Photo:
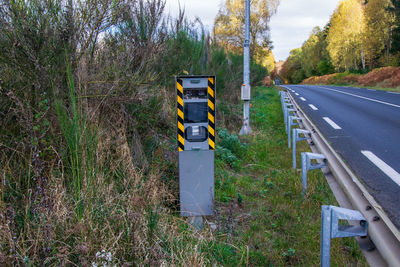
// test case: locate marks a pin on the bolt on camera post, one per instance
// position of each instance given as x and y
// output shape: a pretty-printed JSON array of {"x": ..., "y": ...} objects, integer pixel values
[{"x": 196, "y": 145}]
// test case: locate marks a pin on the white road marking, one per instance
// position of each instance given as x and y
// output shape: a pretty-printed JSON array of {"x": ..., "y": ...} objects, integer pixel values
[
  {"x": 332, "y": 123},
  {"x": 302, "y": 98},
  {"x": 371, "y": 89},
  {"x": 297, "y": 94},
  {"x": 395, "y": 93},
  {"x": 313, "y": 107},
  {"x": 389, "y": 171},
  {"x": 363, "y": 97}
]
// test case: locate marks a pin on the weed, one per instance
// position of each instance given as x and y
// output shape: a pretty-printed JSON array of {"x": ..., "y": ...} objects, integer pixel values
[{"x": 289, "y": 253}]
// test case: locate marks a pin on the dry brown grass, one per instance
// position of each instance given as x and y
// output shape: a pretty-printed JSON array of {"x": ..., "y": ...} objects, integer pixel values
[
  {"x": 383, "y": 77},
  {"x": 387, "y": 77},
  {"x": 127, "y": 219},
  {"x": 319, "y": 79}
]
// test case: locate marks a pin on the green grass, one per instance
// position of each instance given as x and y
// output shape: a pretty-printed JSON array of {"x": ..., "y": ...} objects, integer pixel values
[{"x": 261, "y": 216}]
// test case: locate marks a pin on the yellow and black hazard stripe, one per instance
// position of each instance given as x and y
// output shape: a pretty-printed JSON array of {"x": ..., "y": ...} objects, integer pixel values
[
  {"x": 181, "y": 128},
  {"x": 211, "y": 113}
]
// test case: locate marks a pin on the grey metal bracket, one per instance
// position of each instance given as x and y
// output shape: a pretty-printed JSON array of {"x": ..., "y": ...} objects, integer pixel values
[
  {"x": 284, "y": 100},
  {"x": 330, "y": 228},
  {"x": 296, "y": 138},
  {"x": 306, "y": 165},
  {"x": 286, "y": 106},
  {"x": 283, "y": 96},
  {"x": 291, "y": 122},
  {"x": 288, "y": 112}
]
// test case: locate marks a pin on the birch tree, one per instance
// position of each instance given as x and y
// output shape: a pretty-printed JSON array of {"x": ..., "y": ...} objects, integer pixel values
[
  {"x": 346, "y": 34},
  {"x": 229, "y": 26}
]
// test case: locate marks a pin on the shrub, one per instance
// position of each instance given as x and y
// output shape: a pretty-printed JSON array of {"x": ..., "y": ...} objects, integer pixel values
[{"x": 231, "y": 142}]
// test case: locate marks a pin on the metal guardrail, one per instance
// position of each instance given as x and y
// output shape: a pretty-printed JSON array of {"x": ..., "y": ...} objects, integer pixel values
[{"x": 383, "y": 233}]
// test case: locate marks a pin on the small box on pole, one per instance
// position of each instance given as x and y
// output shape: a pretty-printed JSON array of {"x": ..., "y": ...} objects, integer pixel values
[{"x": 246, "y": 92}]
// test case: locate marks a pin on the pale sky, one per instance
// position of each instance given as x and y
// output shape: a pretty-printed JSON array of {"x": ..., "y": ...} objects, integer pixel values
[
  {"x": 290, "y": 26},
  {"x": 294, "y": 21}
]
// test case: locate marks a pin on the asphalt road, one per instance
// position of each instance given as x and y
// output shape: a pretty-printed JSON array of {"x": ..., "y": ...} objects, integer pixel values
[{"x": 363, "y": 126}]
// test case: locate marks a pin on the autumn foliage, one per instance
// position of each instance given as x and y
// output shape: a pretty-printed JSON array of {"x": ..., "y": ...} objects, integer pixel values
[
  {"x": 380, "y": 77},
  {"x": 360, "y": 36}
]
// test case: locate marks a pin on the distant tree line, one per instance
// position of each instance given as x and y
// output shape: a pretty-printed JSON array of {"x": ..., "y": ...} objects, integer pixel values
[{"x": 360, "y": 36}]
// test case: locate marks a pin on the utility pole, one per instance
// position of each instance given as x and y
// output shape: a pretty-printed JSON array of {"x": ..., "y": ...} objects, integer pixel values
[{"x": 246, "y": 89}]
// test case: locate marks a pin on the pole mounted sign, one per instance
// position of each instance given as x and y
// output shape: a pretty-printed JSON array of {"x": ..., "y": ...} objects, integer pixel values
[{"x": 196, "y": 143}]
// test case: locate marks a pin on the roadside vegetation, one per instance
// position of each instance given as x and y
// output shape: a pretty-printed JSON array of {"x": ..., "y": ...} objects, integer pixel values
[{"x": 360, "y": 37}]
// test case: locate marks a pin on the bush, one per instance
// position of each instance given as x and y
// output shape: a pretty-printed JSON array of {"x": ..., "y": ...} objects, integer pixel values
[{"x": 231, "y": 142}]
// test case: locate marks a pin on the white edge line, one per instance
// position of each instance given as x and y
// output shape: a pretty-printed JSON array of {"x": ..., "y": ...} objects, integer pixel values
[
  {"x": 332, "y": 123},
  {"x": 313, "y": 107},
  {"x": 395, "y": 93},
  {"x": 363, "y": 97},
  {"x": 389, "y": 171}
]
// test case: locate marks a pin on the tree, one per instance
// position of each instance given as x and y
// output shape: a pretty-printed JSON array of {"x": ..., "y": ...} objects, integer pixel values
[
  {"x": 269, "y": 61},
  {"x": 292, "y": 70},
  {"x": 314, "y": 52},
  {"x": 229, "y": 26},
  {"x": 345, "y": 35},
  {"x": 377, "y": 39},
  {"x": 395, "y": 9}
]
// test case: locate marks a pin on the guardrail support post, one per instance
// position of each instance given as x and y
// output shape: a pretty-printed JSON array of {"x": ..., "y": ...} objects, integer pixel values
[
  {"x": 287, "y": 113},
  {"x": 285, "y": 107},
  {"x": 296, "y": 138},
  {"x": 330, "y": 228},
  {"x": 306, "y": 165},
  {"x": 291, "y": 122},
  {"x": 284, "y": 101}
]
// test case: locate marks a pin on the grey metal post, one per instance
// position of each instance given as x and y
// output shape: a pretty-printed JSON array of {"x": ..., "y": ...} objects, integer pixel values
[
  {"x": 294, "y": 149},
  {"x": 304, "y": 172},
  {"x": 306, "y": 165},
  {"x": 330, "y": 228},
  {"x": 297, "y": 138},
  {"x": 246, "y": 129},
  {"x": 326, "y": 218},
  {"x": 291, "y": 122},
  {"x": 287, "y": 113},
  {"x": 284, "y": 103}
]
